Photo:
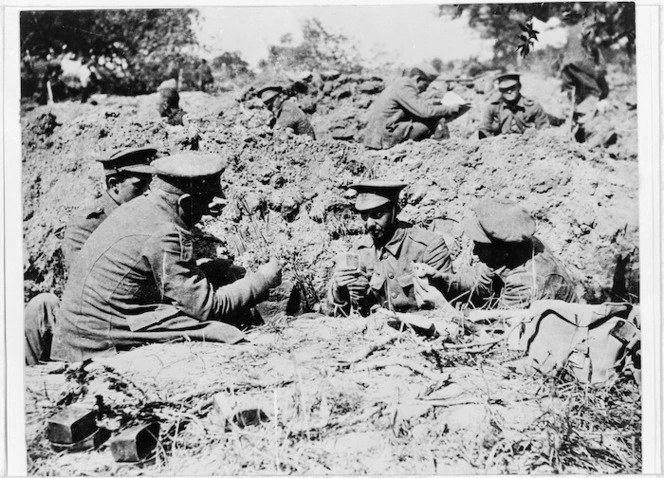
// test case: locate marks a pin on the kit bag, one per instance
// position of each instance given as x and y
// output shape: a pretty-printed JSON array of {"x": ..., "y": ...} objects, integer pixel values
[{"x": 593, "y": 342}]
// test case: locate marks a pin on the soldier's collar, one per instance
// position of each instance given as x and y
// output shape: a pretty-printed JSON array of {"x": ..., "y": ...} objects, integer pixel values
[{"x": 393, "y": 246}]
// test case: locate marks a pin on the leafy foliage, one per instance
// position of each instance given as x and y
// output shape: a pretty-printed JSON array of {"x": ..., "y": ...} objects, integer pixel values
[
  {"x": 232, "y": 62},
  {"x": 139, "y": 43},
  {"x": 511, "y": 24},
  {"x": 319, "y": 49}
]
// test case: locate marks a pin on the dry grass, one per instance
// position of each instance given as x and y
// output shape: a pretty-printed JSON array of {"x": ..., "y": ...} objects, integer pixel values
[{"x": 343, "y": 396}]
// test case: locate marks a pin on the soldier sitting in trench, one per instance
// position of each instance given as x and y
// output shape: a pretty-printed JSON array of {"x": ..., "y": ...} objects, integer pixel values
[
  {"x": 509, "y": 111},
  {"x": 400, "y": 114},
  {"x": 127, "y": 175},
  {"x": 169, "y": 103},
  {"x": 135, "y": 280},
  {"x": 515, "y": 267},
  {"x": 286, "y": 114},
  {"x": 383, "y": 274}
]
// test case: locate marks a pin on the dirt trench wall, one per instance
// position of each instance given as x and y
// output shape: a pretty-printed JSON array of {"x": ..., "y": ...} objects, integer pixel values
[{"x": 289, "y": 194}]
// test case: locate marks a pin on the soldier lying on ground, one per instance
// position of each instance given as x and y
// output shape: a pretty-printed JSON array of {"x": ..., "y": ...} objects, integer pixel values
[
  {"x": 509, "y": 111},
  {"x": 515, "y": 268},
  {"x": 383, "y": 274},
  {"x": 128, "y": 175},
  {"x": 400, "y": 114},
  {"x": 286, "y": 114},
  {"x": 135, "y": 280}
]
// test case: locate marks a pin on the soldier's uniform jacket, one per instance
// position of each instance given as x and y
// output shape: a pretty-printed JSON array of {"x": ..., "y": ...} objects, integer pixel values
[
  {"x": 501, "y": 118},
  {"x": 393, "y": 112},
  {"x": 540, "y": 276},
  {"x": 290, "y": 116},
  {"x": 83, "y": 223},
  {"x": 135, "y": 281},
  {"x": 389, "y": 269}
]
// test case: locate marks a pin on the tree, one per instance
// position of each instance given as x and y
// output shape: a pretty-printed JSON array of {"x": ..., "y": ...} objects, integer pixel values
[
  {"x": 319, "y": 50},
  {"x": 511, "y": 24},
  {"x": 232, "y": 62},
  {"x": 143, "y": 40}
]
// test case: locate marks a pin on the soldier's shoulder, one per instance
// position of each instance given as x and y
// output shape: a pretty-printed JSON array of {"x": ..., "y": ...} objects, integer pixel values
[
  {"x": 529, "y": 102},
  {"x": 424, "y": 237},
  {"x": 93, "y": 210},
  {"x": 494, "y": 98}
]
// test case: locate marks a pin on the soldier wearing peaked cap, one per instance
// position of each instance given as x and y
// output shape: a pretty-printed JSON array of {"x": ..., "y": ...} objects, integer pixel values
[
  {"x": 509, "y": 111},
  {"x": 400, "y": 113},
  {"x": 128, "y": 174},
  {"x": 515, "y": 268},
  {"x": 136, "y": 280},
  {"x": 383, "y": 274},
  {"x": 286, "y": 114}
]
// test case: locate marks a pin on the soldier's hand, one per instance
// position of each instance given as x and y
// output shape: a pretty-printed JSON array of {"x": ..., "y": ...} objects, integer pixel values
[
  {"x": 420, "y": 269},
  {"x": 343, "y": 276},
  {"x": 358, "y": 288},
  {"x": 454, "y": 109},
  {"x": 272, "y": 272}
]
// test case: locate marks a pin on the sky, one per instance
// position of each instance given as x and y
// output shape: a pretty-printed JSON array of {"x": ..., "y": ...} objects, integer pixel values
[{"x": 401, "y": 34}]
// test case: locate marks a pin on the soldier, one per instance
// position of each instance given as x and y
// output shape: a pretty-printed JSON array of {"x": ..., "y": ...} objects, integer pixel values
[
  {"x": 169, "y": 103},
  {"x": 516, "y": 267},
  {"x": 383, "y": 274},
  {"x": 136, "y": 281},
  {"x": 286, "y": 114},
  {"x": 400, "y": 114},
  {"x": 204, "y": 74},
  {"x": 128, "y": 175},
  {"x": 509, "y": 111},
  {"x": 583, "y": 65}
]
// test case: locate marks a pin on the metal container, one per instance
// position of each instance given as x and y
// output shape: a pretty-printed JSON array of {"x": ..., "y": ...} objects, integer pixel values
[{"x": 135, "y": 444}]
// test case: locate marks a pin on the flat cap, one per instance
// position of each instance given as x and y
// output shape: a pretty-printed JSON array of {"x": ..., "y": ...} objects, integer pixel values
[
  {"x": 189, "y": 165},
  {"x": 507, "y": 80},
  {"x": 266, "y": 93},
  {"x": 192, "y": 173},
  {"x": 375, "y": 193},
  {"x": 134, "y": 160},
  {"x": 495, "y": 220}
]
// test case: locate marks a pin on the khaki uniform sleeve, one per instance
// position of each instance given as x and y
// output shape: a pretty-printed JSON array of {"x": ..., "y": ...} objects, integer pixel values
[
  {"x": 184, "y": 285},
  {"x": 77, "y": 233},
  {"x": 472, "y": 284},
  {"x": 438, "y": 256},
  {"x": 539, "y": 117},
  {"x": 486, "y": 124},
  {"x": 409, "y": 99},
  {"x": 519, "y": 291}
]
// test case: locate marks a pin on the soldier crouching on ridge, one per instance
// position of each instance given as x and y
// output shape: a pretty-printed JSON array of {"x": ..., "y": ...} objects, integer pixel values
[
  {"x": 400, "y": 113},
  {"x": 383, "y": 270},
  {"x": 286, "y": 114},
  {"x": 135, "y": 280}
]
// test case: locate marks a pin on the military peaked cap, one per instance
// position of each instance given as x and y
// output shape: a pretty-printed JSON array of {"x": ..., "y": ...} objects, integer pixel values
[
  {"x": 496, "y": 220},
  {"x": 189, "y": 172},
  {"x": 133, "y": 160},
  {"x": 508, "y": 80},
  {"x": 375, "y": 193},
  {"x": 268, "y": 92}
]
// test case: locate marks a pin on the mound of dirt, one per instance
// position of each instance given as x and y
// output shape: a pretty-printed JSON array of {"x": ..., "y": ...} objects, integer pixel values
[{"x": 288, "y": 194}]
